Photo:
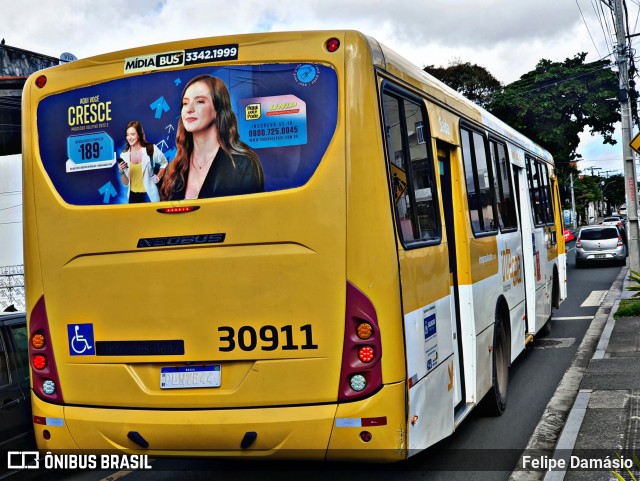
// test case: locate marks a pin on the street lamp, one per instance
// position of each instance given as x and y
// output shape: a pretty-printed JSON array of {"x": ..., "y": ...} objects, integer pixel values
[{"x": 602, "y": 189}]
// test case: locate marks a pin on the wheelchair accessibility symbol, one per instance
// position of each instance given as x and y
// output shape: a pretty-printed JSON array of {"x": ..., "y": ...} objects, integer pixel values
[{"x": 80, "y": 338}]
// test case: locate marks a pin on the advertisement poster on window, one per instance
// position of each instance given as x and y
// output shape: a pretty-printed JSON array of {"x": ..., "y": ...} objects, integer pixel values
[{"x": 141, "y": 138}]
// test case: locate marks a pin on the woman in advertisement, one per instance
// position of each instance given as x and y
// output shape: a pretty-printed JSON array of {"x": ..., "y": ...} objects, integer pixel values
[
  {"x": 211, "y": 160},
  {"x": 141, "y": 166}
]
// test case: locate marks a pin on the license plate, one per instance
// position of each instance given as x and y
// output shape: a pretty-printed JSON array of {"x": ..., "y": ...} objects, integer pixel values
[
  {"x": 600, "y": 256},
  {"x": 187, "y": 377}
]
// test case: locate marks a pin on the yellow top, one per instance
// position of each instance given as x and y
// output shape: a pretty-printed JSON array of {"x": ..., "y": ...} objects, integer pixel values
[{"x": 135, "y": 178}]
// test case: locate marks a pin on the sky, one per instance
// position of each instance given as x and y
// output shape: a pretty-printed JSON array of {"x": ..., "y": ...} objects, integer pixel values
[{"x": 507, "y": 37}]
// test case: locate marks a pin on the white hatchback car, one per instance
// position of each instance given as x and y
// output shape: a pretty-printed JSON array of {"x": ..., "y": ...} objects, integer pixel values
[{"x": 613, "y": 220}]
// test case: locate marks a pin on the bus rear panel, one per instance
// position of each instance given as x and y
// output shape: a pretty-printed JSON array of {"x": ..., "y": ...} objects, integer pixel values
[{"x": 229, "y": 313}]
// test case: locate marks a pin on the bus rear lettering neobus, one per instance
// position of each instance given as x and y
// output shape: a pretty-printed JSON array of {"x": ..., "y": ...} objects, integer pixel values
[{"x": 265, "y": 236}]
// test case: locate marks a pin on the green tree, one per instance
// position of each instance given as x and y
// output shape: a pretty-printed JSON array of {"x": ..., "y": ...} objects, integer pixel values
[
  {"x": 613, "y": 191},
  {"x": 556, "y": 101},
  {"x": 586, "y": 190},
  {"x": 473, "y": 81}
]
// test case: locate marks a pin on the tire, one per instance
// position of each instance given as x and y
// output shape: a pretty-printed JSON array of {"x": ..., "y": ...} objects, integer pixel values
[{"x": 495, "y": 401}]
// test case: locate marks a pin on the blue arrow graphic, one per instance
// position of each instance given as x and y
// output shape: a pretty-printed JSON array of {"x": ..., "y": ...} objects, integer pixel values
[
  {"x": 108, "y": 191},
  {"x": 159, "y": 106}
]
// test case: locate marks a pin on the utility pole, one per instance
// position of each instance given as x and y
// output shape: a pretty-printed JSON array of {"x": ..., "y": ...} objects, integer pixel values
[
  {"x": 574, "y": 219},
  {"x": 631, "y": 179}
]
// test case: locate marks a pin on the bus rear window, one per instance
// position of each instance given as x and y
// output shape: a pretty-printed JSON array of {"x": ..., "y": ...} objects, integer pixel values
[{"x": 275, "y": 127}]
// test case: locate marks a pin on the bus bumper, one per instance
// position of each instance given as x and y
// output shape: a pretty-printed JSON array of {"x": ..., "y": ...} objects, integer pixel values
[{"x": 296, "y": 432}]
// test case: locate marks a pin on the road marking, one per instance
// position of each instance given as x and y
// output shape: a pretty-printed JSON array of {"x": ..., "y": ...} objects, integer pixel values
[
  {"x": 595, "y": 299},
  {"x": 572, "y": 318}
]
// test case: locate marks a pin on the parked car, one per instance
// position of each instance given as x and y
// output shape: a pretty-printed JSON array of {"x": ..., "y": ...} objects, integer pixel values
[
  {"x": 568, "y": 235},
  {"x": 620, "y": 222},
  {"x": 16, "y": 424},
  {"x": 601, "y": 244},
  {"x": 613, "y": 220}
]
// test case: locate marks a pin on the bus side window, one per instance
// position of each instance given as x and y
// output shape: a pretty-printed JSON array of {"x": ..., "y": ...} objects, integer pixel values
[
  {"x": 411, "y": 167},
  {"x": 479, "y": 179},
  {"x": 536, "y": 195},
  {"x": 546, "y": 187},
  {"x": 506, "y": 204}
]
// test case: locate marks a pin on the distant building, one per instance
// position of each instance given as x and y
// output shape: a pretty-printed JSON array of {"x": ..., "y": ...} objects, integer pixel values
[{"x": 16, "y": 65}]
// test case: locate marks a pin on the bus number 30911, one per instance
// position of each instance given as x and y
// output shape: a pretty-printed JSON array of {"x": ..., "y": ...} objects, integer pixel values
[{"x": 268, "y": 338}]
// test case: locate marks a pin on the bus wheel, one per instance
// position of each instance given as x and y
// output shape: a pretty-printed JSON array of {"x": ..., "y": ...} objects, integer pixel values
[{"x": 496, "y": 399}]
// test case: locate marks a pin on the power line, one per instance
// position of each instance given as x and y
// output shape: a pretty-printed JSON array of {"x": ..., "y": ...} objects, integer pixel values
[
  {"x": 588, "y": 31},
  {"x": 599, "y": 160},
  {"x": 11, "y": 207},
  {"x": 609, "y": 30},
  {"x": 563, "y": 80}
]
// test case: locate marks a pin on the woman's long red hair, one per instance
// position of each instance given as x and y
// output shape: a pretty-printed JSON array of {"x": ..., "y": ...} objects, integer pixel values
[{"x": 228, "y": 137}]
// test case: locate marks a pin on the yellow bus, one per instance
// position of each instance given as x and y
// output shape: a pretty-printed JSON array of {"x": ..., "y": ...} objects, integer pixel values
[{"x": 291, "y": 245}]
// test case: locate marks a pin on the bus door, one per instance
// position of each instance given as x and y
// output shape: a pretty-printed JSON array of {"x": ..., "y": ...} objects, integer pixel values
[
  {"x": 528, "y": 243},
  {"x": 444, "y": 164},
  {"x": 423, "y": 263}
]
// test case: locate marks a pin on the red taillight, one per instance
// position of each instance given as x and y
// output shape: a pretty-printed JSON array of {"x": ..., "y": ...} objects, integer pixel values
[
  {"x": 619, "y": 241},
  {"x": 332, "y": 44},
  {"x": 178, "y": 210},
  {"x": 41, "y": 81},
  {"x": 578, "y": 244},
  {"x": 44, "y": 374},
  {"x": 40, "y": 420},
  {"x": 366, "y": 354},
  {"x": 361, "y": 373},
  {"x": 39, "y": 362}
]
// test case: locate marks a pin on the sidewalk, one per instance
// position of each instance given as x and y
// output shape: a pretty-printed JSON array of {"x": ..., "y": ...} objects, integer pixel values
[{"x": 595, "y": 411}]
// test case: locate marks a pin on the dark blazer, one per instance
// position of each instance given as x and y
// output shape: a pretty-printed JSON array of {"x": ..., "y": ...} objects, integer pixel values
[{"x": 225, "y": 179}]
